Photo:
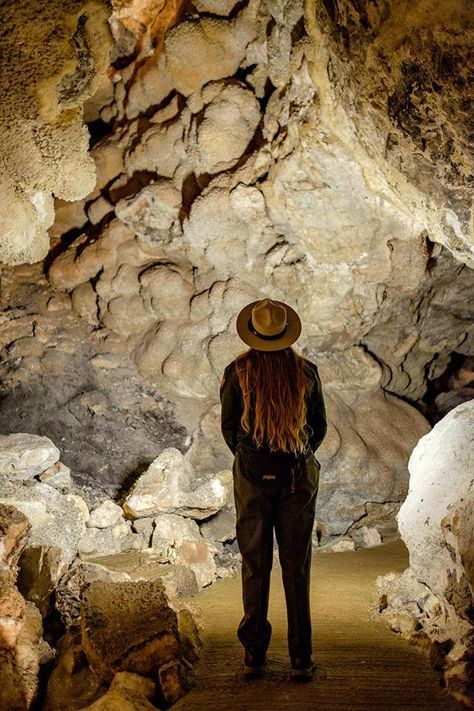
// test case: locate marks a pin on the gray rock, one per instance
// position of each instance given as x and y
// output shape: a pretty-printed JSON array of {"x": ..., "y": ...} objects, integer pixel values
[
  {"x": 220, "y": 527},
  {"x": 106, "y": 514},
  {"x": 114, "y": 539},
  {"x": 23, "y": 456},
  {"x": 55, "y": 519},
  {"x": 58, "y": 475}
]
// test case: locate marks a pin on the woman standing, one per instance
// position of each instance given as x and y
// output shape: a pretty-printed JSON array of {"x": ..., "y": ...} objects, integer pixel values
[{"x": 273, "y": 420}]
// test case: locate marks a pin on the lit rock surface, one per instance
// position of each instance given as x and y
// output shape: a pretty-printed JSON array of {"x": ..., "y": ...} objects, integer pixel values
[
  {"x": 436, "y": 522},
  {"x": 44, "y": 139},
  {"x": 22, "y": 456},
  {"x": 166, "y": 487},
  {"x": 138, "y": 630}
]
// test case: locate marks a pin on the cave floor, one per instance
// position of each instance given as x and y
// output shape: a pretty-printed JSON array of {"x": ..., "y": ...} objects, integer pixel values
[{"x": 362, "y": 664}]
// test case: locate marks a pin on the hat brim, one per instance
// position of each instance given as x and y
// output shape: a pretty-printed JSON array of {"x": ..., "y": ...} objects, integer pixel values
[{"x": 292, "y": 332}]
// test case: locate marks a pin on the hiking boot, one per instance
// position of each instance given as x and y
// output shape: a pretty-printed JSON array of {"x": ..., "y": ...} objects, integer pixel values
[
  {"x": 302, "y": 668},
  {"x": 254, "y": 664}
]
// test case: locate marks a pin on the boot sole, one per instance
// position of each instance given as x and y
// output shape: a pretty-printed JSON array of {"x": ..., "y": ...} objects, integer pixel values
[
  {"x": 303, "y": 673},
  {"x": 254, "y": 671}
]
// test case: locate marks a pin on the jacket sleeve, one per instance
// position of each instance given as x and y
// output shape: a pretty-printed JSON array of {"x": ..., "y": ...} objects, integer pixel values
[
  {"x": 231, "y": 410},
  {"x": 316, "y": 416}
]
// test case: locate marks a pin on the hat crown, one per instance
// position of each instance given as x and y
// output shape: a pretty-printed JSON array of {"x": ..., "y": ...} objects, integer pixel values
[{"x": 268, "y": 317}]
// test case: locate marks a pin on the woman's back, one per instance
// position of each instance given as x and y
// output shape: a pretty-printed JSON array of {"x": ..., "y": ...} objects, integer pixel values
[{"x": 272, "y": 402}]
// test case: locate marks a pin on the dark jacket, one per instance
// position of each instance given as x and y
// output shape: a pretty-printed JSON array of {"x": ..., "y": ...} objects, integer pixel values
[{"x": 232, "y": 408}]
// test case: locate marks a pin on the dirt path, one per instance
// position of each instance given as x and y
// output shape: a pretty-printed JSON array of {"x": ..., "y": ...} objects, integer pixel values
[{"x": 362, "y": 665}]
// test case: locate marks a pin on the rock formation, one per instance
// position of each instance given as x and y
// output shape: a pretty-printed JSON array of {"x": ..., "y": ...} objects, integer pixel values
[
  {"x": 433, "y": 598},
  {"x": 235, "y": 162},
  {"x": 315, "y": 152}
]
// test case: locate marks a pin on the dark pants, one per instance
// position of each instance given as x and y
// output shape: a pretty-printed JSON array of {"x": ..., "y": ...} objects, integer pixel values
[{"x": 259, "y": 510}]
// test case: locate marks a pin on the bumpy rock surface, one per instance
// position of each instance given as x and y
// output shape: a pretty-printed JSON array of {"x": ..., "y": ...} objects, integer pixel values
[
  {"x": 297, "y": 151},
  {"x": 435, "y": 594},
  {"x": 22, "y": 456},
  {"x": 129, "y": 626},
  {"x": 52, "y": 58},
  {"x": 21, "y": 625},
  {"x": 169, "y": 485}
]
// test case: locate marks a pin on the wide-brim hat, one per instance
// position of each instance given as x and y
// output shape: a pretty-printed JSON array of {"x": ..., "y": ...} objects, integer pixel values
[{"x": 268, "y": 325}]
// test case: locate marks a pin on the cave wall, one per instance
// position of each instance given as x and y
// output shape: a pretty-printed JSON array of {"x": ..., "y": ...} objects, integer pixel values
[{"x": 256, "y": 149}]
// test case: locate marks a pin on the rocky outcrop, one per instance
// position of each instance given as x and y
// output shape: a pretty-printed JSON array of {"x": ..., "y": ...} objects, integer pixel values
[
  {"x": 52, "y": 61},
  {"x": 130, "y": 627},
  {"x": 249, "y": 153},
  {"x": 20, "y": 621},
  {"x": 433, "y": 598}
]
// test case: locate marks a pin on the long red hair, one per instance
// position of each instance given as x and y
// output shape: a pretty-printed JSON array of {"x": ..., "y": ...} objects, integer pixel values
[{"x": 275, "y": 384}]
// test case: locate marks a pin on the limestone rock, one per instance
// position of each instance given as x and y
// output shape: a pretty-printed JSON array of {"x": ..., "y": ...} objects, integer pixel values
[
  {"x": 106, "y": 514},
  {"x": 178, "y": 540},
  {"x": 41, "y": 567},
  {"x": 58, "y": 475},
  {"x": 128, "y": 627},
  {"x": 228, "y": 123},
  {"x": 45, "y": 142},
  {"x": 216, "y": 7},
  {"x": 220, "y": 527},
  {"x": 161, "y": 149},
  {"x": 54, "y": 518},
  {"x": 23, "y": 456},
  {"x": 72, "y": 684},
  {"x": 114, "y": 539},
  {"x": 341, "y": 544},
  {"x": 436, "y": 523},
  {"x": 127, "y": 692},
  {"x": 20, "y": 633},
  {"x": 14, "y": 527},
  {"x": 207, "y": 49},
  {"x": 159, "y": 488},
  {"x": 435, "y": 518},
  {"x": 147, "y": 564},
  {"x": 152, "y": 212},
  {"x": 366, "y": 537}
]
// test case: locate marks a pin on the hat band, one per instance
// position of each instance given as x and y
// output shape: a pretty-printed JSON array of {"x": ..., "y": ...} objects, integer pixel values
[{"x": 261, "y": 335}]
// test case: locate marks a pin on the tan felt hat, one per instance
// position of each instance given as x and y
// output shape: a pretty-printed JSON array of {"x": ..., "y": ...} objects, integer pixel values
[{"x": 268, "y": 325}]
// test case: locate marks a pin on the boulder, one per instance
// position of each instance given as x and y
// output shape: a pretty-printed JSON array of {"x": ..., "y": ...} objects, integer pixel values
[
  {"x": 105, "y": 515},
  {"x": 58, "y": 475},
  {"x": 40, "y": 568},
  {"x": 178, "y": 579},
  {"x": 23, "y": 456},
  {"x": 436, "y": 521},
  {"x": 55, "y": 519},
  {"x": 20, "y": 634},
  {"x": 14, "y": 527},
  {"x": 178, "y": 540},
  {"x": 114, "y": 539},
  {"x": 72, "y": 684},
  {"x": 127, "y": 692},
  {"x": 220, "y": 527},
  {"x": 128, "y": 626},
  {"x": 160, "y": 488}
]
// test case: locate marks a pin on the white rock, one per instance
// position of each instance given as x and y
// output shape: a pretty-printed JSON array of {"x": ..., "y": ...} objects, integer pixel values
[
  {"x": 106, "y": 514},
  {"x": 56, "y": 520},
  {"x": 23, "y": 456},
  {"x": 341, "y": 545},
  {"x": 105, "y": 541},
  {"x": 228, "y": 124},
  {"x": 160, "y": 488},
  {"x": 366, "y": 536},
  {"x": 59, "y": 476},
  {"x": 435, "y": 520}
]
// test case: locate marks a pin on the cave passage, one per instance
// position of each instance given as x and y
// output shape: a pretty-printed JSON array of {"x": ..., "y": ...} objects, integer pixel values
[{"x": 362, "y": 665}]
